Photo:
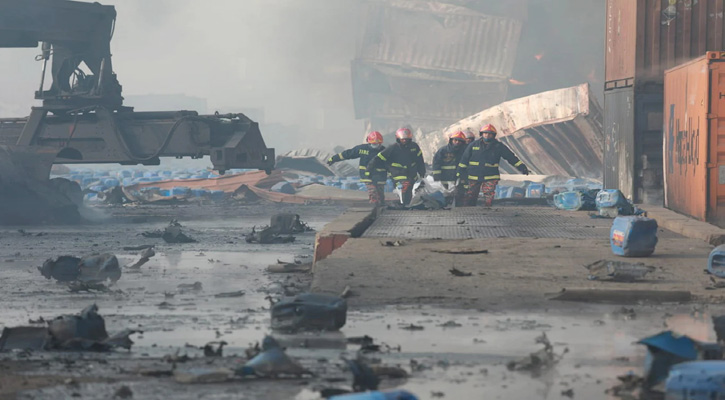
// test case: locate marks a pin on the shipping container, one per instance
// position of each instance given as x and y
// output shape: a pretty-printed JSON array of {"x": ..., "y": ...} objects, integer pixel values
[
  {"x": 442, "y": 37},
  {"x": 646, "y": 37},
  {"x": 633, "y": 143},
  {"x": 694, "y": 138}
]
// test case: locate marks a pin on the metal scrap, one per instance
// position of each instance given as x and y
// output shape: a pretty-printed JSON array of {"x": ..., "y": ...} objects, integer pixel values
[
  {"x": 538, "y": 361},
  {"x": 619, "y": 271},
  {"x": 309, "y": 312},
  {"x": 91, "y": 268},
  {"x": 267, "y": 235},
  {"x": 272, "y": 362},
  {"x": 457, "y": 272}
]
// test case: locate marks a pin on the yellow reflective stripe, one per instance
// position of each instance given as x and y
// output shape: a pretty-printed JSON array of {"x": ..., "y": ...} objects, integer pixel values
[
  {"x": 490, "y": 165},
  {"x": 476, "y": 148},
  {"x": 362, "y": 167},
  {"x": 419, "y": 152},
  {"x": 365, "y": 180},
  {"x": 462, "y": 165},
  {"x": 436, "y": 171},
  {"x": 382, "y": 157},
  {"x": 340, "y": 155},
  {"x": 448, "y": 167},
  {"x": 518, "y": 163},
  {"x": 397, "y": 178},
  {"x": 492, "y": 177},
  {"x": 474, "y": 162},
  {"x": 397, "y": 165},
  {"x": 473, "y": 178}
]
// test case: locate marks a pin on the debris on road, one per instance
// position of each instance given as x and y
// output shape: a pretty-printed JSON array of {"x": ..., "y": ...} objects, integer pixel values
[
  {"x": 210, "y": 351},
  {"x": 145, "y": 256},
  {"x": 363, "y": 377},
  {"x": 171, "y": 234},
  {"x": 619, "y": 271},
  {"x": 287, "y": 223},
  {"x": 285, "y": 268},
  {"x": 628, "y": 388},
  {"x": 309, "y": 312},
  {"x": 622, "y": 296},
  {"x": 190, "y": 287},
  {"x": 392, "y": 243},
  {"x": 272, "y": 362},
  {"x": 715, "y": 284},
  {"x": 457, "y": 272},
  {"x": 83, "y": 332},
  {"x": 267, "y": 236},
  {"x": 538, "y": 361},
  {"x": 203, "y": 375},
  {"x": 412, "y": 327},
  {"x": 385, "y": 395},
  {"x": 459, "y": 251},
  {"x": 238, "y": 293},
  {"x": 124, "y": 392},
  {"x": 91, "y": 268}
]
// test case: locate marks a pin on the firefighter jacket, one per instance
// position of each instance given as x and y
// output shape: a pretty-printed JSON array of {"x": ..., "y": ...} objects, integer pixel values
[
  {"x": 403, "y": 163},
  {"x": 480, "y": 160},
  {"x": 445, "y": 162},
  {"x": 365, "y": 152}
]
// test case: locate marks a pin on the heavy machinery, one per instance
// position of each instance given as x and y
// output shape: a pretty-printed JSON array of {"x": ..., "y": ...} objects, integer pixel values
[{"x": 82, "y": 118}]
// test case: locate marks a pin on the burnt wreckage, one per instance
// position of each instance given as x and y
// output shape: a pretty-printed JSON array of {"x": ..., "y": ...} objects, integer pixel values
[{"x": 82, "y": 118}]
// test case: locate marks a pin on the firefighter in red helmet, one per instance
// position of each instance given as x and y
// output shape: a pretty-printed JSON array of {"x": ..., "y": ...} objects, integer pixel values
[
  {"x": 404, "y": 162},
  {"x": 374, "y": 179},
  {"x": 445, "y": 163},
  {"x": 479, "y": 165}
]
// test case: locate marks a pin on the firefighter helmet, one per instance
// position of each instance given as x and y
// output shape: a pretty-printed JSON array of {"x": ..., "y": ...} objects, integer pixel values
[
  {"x": 375, "y": 137},
  {"x": 470, "y": 136},
  {"x": 457, "y": 135},
  {"x": 488, "y": 128},
  {"x": 404, "y": 133}
]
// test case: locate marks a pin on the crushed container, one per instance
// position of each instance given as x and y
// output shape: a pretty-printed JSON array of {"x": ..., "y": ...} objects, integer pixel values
[
  {"x": 387, "y": 395},
  {"x": 696, "y": 380},
  {"x": 716, "y": 261},
  {"x": 575, "y": 200},
  {"x": 632, "y": 236},
  {"x": 309, "y": 312}
]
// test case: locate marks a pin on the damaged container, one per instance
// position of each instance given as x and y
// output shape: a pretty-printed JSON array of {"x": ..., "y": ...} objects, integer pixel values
[
  {"x": 716, "y": 261},
  {"x": 696, "y": 380},
  {"x": 694, "y": 138},
  {"x": 575, "y": 200},
  {"x": 387, "y": 395},
  {"x": 633, "y": 236},
  {"x": 612, "y": 203},
  {"x": 309, "y": 312}
]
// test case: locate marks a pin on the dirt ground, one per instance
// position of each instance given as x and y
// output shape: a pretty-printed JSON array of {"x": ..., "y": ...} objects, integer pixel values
[{"x": 452, "y": 335}]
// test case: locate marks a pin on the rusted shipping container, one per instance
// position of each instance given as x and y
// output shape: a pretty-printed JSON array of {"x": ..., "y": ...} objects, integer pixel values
[
  {"x": 694, "y": 138},
  {"x": 646, "y": 37},
  {"x": 442, "y": 37},
  {"x": 633, "y": 143}
]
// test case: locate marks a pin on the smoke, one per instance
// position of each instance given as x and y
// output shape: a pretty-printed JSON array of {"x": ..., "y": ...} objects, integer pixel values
[{"x": 286, "y": 62}]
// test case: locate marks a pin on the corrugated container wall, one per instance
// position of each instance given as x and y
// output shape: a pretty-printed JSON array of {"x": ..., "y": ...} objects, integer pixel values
[
  {"x": 633, "y": 143},
  {"x": 646, "y": 37},
  {"x": 441, "y": 37},
  {"x": 694, "y": 138}
]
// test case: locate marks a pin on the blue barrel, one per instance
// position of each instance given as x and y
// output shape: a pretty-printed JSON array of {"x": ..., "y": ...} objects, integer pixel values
[
  {"x": 716, "y": 261},
  {"x": 87, "y": 180},
  {"x": 138, "y": 174},
  {"x": 696, "y": 380},
  {"x": 166, "y": 173},
  {"x": 180, "y": 191},
  {"x": 389, "y": 186},
  {"x": 97, "y": 188},
  {"x": 124, "y": 173},
  {"x": 568, "y": 200},
  {"x": 633, "y": 236},
  {"x": 387, "y": 395},
  {"x": 535, "y": 190},
  {"x": 150, "y": 174},
  {"x": 165, "y": 192}
]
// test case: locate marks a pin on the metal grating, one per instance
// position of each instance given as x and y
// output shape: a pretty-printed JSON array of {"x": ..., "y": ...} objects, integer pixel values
[{"x": 522, "y": 222}]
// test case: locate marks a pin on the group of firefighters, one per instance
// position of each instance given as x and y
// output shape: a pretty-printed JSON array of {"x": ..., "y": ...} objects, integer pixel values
[{"x": 467, "y": 164}]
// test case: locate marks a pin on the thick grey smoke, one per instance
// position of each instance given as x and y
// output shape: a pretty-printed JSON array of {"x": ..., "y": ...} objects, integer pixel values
[{"x": 286, "y": 62}]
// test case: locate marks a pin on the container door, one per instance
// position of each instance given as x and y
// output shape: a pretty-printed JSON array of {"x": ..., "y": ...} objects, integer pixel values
[{"x": 716, "y": 163}]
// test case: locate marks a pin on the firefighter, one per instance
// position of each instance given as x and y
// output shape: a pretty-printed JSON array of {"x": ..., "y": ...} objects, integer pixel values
[
  {"x": 479, "y": 165},
  {"x": 374, "y": 179},
  {"x": 470, "y": 136},
  {"x": 404, "y": 162},
  {"x": 446, "y": 161}
]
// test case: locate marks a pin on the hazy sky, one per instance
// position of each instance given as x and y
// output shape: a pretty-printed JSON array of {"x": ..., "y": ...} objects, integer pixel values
[{"x": 290, "y": 58}]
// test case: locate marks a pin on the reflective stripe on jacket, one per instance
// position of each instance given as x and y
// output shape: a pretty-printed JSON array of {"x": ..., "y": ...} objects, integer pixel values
[
  {"x": 403, "y": 163},
  {"x": 480, "y": 160},
  {"x": 445, "y": 162},
  {"x": 365, "y": 152}
]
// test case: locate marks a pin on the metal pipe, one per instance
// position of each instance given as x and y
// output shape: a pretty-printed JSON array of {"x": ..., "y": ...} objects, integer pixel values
[{"x": 100, "y": 76}]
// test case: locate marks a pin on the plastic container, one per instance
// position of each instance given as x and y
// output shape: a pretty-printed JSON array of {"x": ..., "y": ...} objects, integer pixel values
[
  {"x": 180, "y": 191},
  {"x": 536, "y": 190},
  {"x": 633, "y": 236},
  {"x": 716, "y": 261},
  {"x": 696, "y": 380},
  {"x": 574, "y": 201},
  {"x": 612, "y": 203},
  {"x": 199, "y": 192},
  {"x": 111, "y": 182},
  {"x": 387, "y": 395}
]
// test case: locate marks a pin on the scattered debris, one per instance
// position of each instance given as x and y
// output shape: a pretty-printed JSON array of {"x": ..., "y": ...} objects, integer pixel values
[
  {"x": 628, "y": 387},
  {"x": 84, "y": 332},
  {"x": 459, "y": 251},
  {"x": 124, "y": 392},
  {"x": 210, "y": 351},
  {"x": 538, "y": 361},
  {"x": 625, "y": 313},
  {"x": 364, "y": 378},
  {"x": 718, "y": 323},
  {"x": 309, "y": 312},
  {"x": 288, "y": 224},
  {"x": 347, "y": 292},
  {"x": 412, "y": 327},
  {"x": 238, "y": 293},
  {"x": 267, "y": 236},
  {"x": 138, "y": 248},
  {"x": 272, "y": 362},
  {"x": 145, "y": 255},
  {"x": 88, "y": 287},
  {"x": 170, "y": 234},
  {"x": 622, "y": 296},
  {"x": 190, "y": 287},
  {"x": 91, "y": 268},
  {"x": 568, "y": 393},
  {"x": 283, "y": 268},
  {"x": 451, "y": 324},
  {"x": 715, "y": 284},
  {"x": 457, "y": 272},
  {"x": 619, "y": 271},
  {"x": 388, "y": 371},
  {"x": 392, "y": 243}
]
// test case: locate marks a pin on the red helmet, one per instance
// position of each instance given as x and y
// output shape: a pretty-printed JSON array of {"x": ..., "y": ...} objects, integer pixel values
[
  {"x": 375, "y": 137},
  {"x": 457, "y": 135},
  {"x": 404, "y": 133},
  {"x": 488, "y": 128}
]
